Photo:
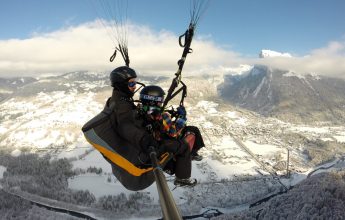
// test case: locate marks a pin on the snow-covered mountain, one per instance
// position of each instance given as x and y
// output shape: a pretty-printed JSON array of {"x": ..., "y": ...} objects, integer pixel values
[
  {"x": 8, "y": 86},
  {"x": 271, "y": 53},
  {"x": 245, "y": 155},
  {"x": 287, "y": 95}
]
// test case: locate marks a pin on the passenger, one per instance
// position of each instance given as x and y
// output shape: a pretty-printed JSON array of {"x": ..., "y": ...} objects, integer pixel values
[{"x": 170, "y": 134}]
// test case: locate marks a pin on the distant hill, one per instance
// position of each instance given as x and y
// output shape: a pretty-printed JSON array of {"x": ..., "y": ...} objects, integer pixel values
[
  {"x": 10, "y": 85},
  {"x": 287, "y": 95}
]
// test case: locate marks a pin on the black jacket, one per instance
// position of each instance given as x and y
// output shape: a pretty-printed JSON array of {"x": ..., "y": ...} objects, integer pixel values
[
  {"x": 117, "y": 132},
  {"x": 126, "y": 122}
]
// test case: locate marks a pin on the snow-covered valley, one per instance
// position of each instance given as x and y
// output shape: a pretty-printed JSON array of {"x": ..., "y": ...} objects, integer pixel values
[{"x": 245, "y": 158}]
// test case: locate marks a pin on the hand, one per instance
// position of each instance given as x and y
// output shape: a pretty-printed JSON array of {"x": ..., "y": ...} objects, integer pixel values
[
  {"x": 181, "y": 111},
  {"x": 180, "y": 123},
  {"x": 147, "y": 142}
]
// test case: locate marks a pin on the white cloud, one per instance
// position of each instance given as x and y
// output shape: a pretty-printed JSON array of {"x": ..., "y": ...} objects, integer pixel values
[
  {"x": 328, "y": 61},
  {"x": 88, "y": 47}
]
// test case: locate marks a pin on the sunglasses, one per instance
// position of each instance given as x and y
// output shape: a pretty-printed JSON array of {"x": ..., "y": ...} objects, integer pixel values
[
  {"x": 132, "y": 84},
  {"x": 150, "y": 109}
]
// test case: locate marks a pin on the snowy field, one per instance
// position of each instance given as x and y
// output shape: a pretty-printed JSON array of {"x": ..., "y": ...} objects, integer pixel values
[{"x": 2, "y": 170}]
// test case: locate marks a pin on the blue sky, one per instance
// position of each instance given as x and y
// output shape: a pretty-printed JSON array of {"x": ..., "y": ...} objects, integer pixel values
[
  {"x": 295, "y": 26},
  {"x": 243, "y": 27}
]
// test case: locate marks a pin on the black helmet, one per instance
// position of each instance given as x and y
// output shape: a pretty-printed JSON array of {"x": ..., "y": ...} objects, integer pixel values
[
  {"x": 119, "y": 78},
  {"x": 152, "y": 95},
  {"x": 121, "y": 75}
]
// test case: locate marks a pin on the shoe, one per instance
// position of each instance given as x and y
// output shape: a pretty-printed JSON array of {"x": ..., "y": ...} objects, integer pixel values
[
  {"x": 185, "y": 182},
  {"x": 170, "y": 172},
  {"x": 196, "y": 157}
]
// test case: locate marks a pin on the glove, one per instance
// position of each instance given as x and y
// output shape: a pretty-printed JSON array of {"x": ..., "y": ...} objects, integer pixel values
[
  {"x": 180, "y": 123},
  {"x": 181, "y": 111},
  {"x": 147, "y": 142}
]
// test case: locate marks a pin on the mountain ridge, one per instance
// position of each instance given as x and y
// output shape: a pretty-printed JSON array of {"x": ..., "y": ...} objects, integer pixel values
[{"x": 287, "y": 96}]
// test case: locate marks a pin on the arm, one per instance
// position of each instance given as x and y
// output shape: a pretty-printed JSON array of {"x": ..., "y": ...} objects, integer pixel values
[
  {"x": 128, "y": 126},
  {"x": 173, "y": 129}
]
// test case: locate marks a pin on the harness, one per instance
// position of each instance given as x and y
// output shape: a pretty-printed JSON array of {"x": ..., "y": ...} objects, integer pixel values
[{"x": 107, "y": 149}]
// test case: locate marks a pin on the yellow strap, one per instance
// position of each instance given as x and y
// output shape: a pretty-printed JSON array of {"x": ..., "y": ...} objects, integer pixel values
[{"x": 122, "y": 162}]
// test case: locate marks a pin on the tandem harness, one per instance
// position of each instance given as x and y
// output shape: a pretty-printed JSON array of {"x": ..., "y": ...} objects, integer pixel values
[{"x": 102, "y": 135}]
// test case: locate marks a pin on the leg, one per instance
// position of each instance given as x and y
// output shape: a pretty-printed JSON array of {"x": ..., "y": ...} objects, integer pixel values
[
  {"x": 182, "y": 163},
  {"x": 198, "y": 141}
]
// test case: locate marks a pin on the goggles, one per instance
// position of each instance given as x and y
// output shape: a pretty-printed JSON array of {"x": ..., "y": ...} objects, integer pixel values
[
  {"x": 151, "y": 98},
  {"x": 132, "y": 84}
]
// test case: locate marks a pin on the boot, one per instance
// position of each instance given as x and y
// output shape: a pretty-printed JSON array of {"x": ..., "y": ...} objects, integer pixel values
[
  {"x": 185, "y": 182},
  {"x": 195, "y": 156}
]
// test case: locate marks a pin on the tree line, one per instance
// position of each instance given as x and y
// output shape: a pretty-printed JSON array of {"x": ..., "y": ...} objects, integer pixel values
[{"x": 47, "y": 177}]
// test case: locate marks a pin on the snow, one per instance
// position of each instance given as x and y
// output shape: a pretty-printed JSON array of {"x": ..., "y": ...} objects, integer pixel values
[
  {"x": 327, "y": 139},
  {"x": 231, "y": 114},
  {"x": 2, "y": 170},
  {"x": 209, "y": 107},
  {"x": 97, "y": 184},
  {"x": 16, "y": 153},
  {"x": 2, "y": 129},
  {"x": 257, "y": 90},
  {"x": 94, "y": 159},
  {"x": 293, "y": 74},
  {"x": 239, "y": 70},
  {"x": 340, "y": 138},
  {"x": 262, "y": 149},
  {"x": 315, "y": 76},
  {"x": 318, "y": 130},
  {"x": 228, "y": 171},
  {"x": 229, "y": 147},
  {"x": 271, "y": 53},
  {"x": 235, "y": 117},
  {"x": 5, "y": 91},
  {"x": 47, "y": 120},
  {"x": 241, "y": 121}
]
